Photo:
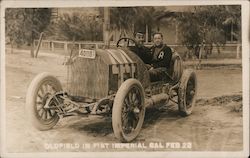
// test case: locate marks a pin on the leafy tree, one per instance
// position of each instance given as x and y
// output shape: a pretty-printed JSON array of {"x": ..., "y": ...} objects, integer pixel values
[
  {"x": 14, "y": 21},
  {"x": 233, "y": 18},
  {"x": 207, "y": 23},
  {"x": 80, "y": 27},
  {"x": 77, "y": 27},
  {"x": 23, "y": 25}
]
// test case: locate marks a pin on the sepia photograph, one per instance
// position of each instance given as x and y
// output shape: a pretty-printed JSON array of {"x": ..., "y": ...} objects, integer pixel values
[{"x": 124, "y": 79}]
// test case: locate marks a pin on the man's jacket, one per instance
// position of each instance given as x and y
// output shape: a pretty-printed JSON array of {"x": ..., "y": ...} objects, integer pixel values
[{"x": 161, "y": 56}]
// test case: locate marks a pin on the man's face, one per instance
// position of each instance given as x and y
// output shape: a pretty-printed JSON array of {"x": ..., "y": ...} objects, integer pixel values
[
  {"x": 158, "y": 39},
  {"x": 140, "y": 39}
]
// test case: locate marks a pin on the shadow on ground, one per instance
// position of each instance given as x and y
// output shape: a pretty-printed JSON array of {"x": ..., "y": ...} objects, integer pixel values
[{"x": 103, "y": 126}]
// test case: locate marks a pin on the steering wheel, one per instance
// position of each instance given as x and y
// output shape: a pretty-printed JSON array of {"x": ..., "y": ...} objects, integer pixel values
[{"x": 126, "y": 40}]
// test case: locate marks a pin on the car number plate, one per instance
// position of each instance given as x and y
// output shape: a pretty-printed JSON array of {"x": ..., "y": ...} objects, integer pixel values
[{"x": 86, "y": 53}]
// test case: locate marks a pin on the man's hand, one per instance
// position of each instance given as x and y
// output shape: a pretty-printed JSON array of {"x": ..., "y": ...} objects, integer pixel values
[{"x": 149, "y": 67}]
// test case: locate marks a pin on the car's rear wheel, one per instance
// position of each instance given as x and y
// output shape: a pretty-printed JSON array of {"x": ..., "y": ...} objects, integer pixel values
[
  {"x": 187, "y": 92},
  {"x": 128, "y": 110},
  {"x": 42, "y": 87},
  {"x": 177, "y": 67}
]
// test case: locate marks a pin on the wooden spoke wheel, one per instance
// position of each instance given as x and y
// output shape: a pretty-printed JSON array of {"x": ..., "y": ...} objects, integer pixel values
[
  {"x": 187, "y": 92},
  {"x": 42, "y": 87},
  {"x": 128, "y": 110}
]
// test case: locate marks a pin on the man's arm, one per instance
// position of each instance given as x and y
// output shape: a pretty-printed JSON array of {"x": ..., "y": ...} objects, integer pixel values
[
  {"x": 168, "y": 56},
  {"x": 147, "y": 55}
]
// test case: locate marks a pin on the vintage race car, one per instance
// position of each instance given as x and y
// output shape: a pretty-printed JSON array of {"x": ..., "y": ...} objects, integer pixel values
[{"x": 111, "y": 82}]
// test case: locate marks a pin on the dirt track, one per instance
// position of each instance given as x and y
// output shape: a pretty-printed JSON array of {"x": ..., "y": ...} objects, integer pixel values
[{"x": 215, "y": 125}]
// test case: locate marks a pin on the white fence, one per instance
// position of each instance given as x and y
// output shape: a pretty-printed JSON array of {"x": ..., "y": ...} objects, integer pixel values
[{"x": 65, "y": 46}]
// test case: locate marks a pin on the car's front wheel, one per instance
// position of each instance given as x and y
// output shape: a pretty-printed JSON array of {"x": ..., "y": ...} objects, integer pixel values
[
  {"x": 128, "y": 110},
  {"x": 42, "y": 87}
]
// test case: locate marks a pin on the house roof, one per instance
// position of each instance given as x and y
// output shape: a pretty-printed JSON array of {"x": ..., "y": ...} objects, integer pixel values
[
  {"x": 179, "y": 8},
  {"x": 173, "y": 11}
]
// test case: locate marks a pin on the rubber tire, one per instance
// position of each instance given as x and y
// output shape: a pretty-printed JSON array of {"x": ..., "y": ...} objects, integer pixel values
[
  {"x": 182, "y": 106},
  {"x": 30, "y": 106},
  {"x": 117, "y": 110},
  {"x": 177, "y": 67}
]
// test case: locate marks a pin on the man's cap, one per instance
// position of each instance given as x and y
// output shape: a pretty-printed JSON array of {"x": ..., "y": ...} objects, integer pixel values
[{"x": 139, "y": 34}]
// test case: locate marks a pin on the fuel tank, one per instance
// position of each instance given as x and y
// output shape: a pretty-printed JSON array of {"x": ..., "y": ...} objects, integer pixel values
[{"x": 101, "y": 74}]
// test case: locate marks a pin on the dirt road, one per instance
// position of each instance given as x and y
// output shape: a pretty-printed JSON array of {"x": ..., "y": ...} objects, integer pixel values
[{"x": 215, "y": 125}]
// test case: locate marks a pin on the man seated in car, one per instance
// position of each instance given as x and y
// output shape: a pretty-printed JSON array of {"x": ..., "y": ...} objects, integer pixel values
[
  {"x": 142, "y": 51},
  {"x": 161, "y": 58}
]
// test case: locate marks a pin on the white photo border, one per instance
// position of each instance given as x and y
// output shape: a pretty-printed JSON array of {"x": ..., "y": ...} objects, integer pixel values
[{"x": 98, "y": 3}]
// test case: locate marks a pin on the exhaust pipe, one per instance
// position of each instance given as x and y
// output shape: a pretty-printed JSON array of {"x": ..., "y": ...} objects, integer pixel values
[{"x": 156, "y": 100}]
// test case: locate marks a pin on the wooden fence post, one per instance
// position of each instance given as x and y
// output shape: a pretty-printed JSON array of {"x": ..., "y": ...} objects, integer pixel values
[
  {"x": 39, "y": 44},
  {"x": 65, "y": 46},
  {"x": 79, "y": 45},
  {"x": 52, "y": 46},
  {"x": 238, "y": 51}
]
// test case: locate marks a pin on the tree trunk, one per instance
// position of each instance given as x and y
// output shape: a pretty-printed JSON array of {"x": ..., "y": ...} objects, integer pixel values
[
  {"x": 32, "y": 35},
  {"x": 11, "y": 47},
  {"x": 200, "y": 56},
  {"x": 32, "y": 49},
  {"x": 146, "y": 34},
  {"x": 32, "y": 45},
  {"x": 106, "y": 26},
  {"x": 176, "y": 31},
  {"x": 231, "y": 33},
  {"x": 218, "y": 48}
]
